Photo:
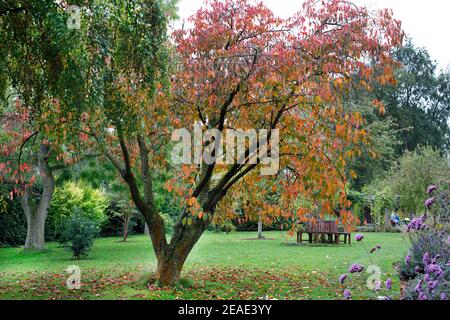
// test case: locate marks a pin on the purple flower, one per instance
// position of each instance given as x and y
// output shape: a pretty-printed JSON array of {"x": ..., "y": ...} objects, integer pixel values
[
  {"x": 426, "y": 259},
  {"x": 359, "y": 237},
  {"x": 434, "y": 268},
  {"x": 355, "y": 268},
  {"x": 429, "y": 202},
  {"x": 416, "y": 224},
  {"x": 418, "y": 287},
  {"x": 432, "y": 285},
  {"x": 418, "y": 269},
  {"x": 347, "y": 294},
  {"x": 430, "y": 189},
  {"x": 443, "y": 296},
  {"x": 427, "y": 278},
  {"x": 422, "y": 296},
  {"x": 342, "y": 278},
  {"x": 388, "y": 284},
  {"x": 408, "y": 259}
]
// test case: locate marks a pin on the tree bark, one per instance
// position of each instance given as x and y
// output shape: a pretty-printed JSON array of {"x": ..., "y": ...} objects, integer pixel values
[
  {"x": 169, "y": 269},
  {"x": 171, "y": 260},
  {"x": 125, "y": 229},
  {"x": 36, "y": 216},
  {"x": 260, "y": 229}
]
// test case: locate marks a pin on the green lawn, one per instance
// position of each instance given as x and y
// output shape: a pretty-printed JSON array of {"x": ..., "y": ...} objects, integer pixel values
[{"x": 221, "y": 266}]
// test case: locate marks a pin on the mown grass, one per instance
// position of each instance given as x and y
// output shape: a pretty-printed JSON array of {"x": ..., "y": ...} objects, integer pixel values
[{"x": 221, "y": 266}]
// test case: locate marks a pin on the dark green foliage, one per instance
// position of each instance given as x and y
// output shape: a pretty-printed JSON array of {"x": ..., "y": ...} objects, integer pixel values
[
  {"x": 13, "y": 225},
  {"x": 224, "y": 226},
  {"x": 113, "y": 225},
  {"x": 251, "y": 225},
  {"x": 419, "y": 104},
  {"x": 384, "y": 142},
  {"x": 79, "y": 234}
]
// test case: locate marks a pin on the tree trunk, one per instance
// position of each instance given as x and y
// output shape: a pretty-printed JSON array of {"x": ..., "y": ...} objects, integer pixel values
[
  {"x": 146, "y": 231},
  {"x": 260, "y": 229},
  {"x": 172, "y": 258},
  {"x": 35, "y": 224},
  {"x": 169, "y": 270},
  {"x": 125, "y": 229},
  {"x": 36, "y": 216}
]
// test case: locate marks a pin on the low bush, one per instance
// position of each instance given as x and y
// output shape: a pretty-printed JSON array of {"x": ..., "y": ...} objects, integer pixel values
[
  {"x": 432, "y": 281},
  {"x": 92, "y": 204},
  {"x": 426, "y": 242},
  {"x": 79, "y": 234}
]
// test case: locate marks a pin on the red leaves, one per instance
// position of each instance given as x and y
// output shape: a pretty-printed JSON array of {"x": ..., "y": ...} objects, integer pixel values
[{"x": 16, "y": 131}]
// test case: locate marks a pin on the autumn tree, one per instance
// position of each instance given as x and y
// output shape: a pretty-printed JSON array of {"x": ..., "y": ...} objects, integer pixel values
[
  {"x": 16, "y": 171},
  {"x": 40, "y": 60}
]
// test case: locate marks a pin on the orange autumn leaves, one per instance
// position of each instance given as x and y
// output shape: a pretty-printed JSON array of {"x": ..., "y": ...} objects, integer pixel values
[{"x": 290, "y": 74}]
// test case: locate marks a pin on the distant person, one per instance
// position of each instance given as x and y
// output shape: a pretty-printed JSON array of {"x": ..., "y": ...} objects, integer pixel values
[{"x": 395, "y": 219}]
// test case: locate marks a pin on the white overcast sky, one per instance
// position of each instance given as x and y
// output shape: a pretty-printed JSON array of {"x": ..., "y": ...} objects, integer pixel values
[{"x": 427, "y": 22}]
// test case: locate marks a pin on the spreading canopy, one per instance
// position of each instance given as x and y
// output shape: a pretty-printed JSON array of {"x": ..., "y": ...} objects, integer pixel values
[{"x": 241, "y": 67}]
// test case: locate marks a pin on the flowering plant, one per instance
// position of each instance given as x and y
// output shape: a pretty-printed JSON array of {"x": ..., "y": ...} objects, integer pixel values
[
  {"x": 426, "y": 267},
  {"x": 356, "y": 269}
]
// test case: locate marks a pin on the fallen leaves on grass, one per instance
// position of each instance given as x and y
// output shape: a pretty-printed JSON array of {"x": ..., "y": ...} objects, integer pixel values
[{"x": 241, "y": 283}]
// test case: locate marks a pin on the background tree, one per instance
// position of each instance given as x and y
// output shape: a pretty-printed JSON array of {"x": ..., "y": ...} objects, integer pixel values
[
  {"x": 415, "y": 171},
  {"x": 124, "y": 210},
  {"x": 420, "y": 102},
  {"x": 384, "y": 141},
  {"x": 39, "y": 59}
]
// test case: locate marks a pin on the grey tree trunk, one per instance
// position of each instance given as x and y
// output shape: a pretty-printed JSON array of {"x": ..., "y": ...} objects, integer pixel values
[
  {"x": 37, "y": 214},
  {"x": 146, "y": 231},
  {"x": 260, "y": 229}
]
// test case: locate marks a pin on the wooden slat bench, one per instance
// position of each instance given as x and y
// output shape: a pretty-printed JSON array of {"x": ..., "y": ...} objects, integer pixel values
[{"x": 325, "y": 228}]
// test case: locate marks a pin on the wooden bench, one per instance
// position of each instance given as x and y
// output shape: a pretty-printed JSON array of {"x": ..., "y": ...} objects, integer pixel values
[{"x": 323, "y": 228}]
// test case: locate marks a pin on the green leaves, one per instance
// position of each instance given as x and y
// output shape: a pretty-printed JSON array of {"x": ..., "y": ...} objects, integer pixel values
[{"x": 419, "y": 103}]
